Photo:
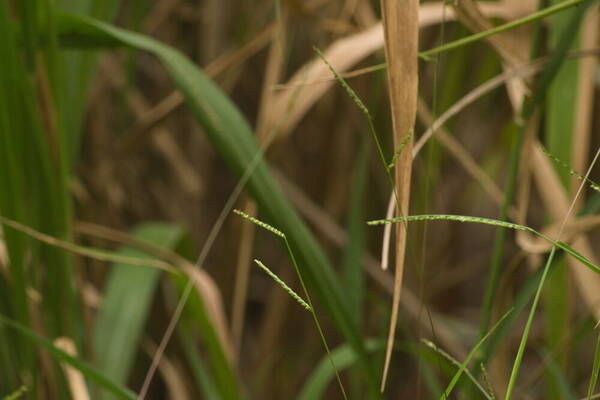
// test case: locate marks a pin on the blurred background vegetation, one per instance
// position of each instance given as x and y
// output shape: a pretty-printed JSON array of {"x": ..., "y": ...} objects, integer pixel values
[{"x": 130, "y": 129}]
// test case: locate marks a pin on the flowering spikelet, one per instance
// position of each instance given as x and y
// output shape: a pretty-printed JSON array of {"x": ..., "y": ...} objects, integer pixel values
[
  {"x": 263, "y": 225},
  {"x": 283, "y": 285}
]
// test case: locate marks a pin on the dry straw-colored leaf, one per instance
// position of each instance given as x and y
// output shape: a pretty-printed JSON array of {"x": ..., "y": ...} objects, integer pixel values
[
  {"x": 512, "y": 46},
  {"x": 328, "y": 227},
  {"x": 75, "y": 378},
  {"x": 401, "y": 32},
  {"x": 213, "y": 302},
  {"x": 343, "y": 54},
  {"x": 557, "y": 203},
  {"x": 88, "y": 252},
  {"x": 585, "y": 96},
  {"x": 172, "y": 375},
  {"x": 264, "y": 134}
]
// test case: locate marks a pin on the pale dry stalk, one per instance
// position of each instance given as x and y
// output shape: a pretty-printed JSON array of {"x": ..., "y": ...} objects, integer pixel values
[{"x": 401, "y": 35}]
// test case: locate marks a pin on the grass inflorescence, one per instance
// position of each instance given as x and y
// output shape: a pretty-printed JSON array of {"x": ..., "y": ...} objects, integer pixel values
[
  {"x": 262, "y": 224},
  {"x": 593, "y": 185},
  {"x": 285, "y": 287},
  {"x": 308, "y": 305},
  {"x": 401, "y": 147},
  {"x": 17, "y": 394},
  {"x": 494, "y": 222}
]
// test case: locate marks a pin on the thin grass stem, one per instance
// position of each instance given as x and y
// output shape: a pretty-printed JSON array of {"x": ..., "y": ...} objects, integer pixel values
[
  {"x": 494, "y": 222},
  {"x": 595, "y": 370},
  {"x": 308, "y": 304},
  {"x": 456, "y": 363},
  {"x": 517, "y": 363},
  {"x": 426, "y": 55}
]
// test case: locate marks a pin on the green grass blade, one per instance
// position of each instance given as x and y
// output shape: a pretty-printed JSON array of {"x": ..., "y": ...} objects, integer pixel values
[
  {"x": 471, "y": 354},
  {"x": 563, "y": 388},
  {"x": 200, "y": 371},
  {"x": 353, "y": 275},
  {"x": 196, "y": 319},
  {"x": 530, "y": 104},
  {"x": 519, "y": 357},
  {"x": 321, "y": 377},
  {"x": 31, "y": 167},
  {"x": 494, "y": 222},
  {"x": 78, "y": 70},
  {"x": 233, "y": 139},
  {"x": 522, "y": 299},
  {"x": 83, "y": 367},
  {"x": 502, "y": 28},
  {"x": 457, "y": 364},
  {"x": 127, "y": 300},
  {"x": 595, "y": 370}
]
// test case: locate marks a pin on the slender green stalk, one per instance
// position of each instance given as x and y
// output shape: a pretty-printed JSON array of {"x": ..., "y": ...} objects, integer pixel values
[
  {"x": 595, "y": 370},
  {"x": 593, "y": 185},
  {"x": 517, "y": 364},
  {"x": 367, "y": 114},
  {"x": 501, "y": 28},
  {"x": 494, "y": 222},
  {"x": 486, "y": 379},
  {"x": 457, "y": 364},
  {"x": 463, "y": 366},
  {"x": 310, "y": 307}
]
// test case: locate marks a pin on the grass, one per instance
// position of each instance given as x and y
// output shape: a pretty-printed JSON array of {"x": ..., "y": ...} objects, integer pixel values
[{"x": 116, "y": 234}]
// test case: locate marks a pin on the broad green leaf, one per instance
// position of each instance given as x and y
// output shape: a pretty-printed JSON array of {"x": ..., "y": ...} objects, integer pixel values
[
  {"x": 196, "y": 318},
  {"x": 127, "y": 299},
  {"x": 233, "y": 139},
  {"x": 87, "y": 370},
  {"x": 343, "y": 357}
]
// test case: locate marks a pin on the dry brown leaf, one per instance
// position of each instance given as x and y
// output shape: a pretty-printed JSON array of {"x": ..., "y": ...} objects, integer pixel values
[
  {"x": 555, "y": 199},
  {"x": 171, "y": 374},
  {"x": 88, "y": 252},
  {"x": 213, "y": 302},
  {"x": 512, "y": 46},
  {"x": 585, "y": 96},
  {"x": 343, "y": 55},
  {"x": 456, "y": 149},
  {"x": 3, "y": 253},
  {"x": 327, "y": 226},
  {"x": 401, "y": 32},
  {"x": 264, "y": 134},
  {"x": 576, "y": 227},
  {"x": 74, "y": 377}
]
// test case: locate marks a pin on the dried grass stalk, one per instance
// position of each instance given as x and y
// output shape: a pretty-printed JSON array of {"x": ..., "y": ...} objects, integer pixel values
[{"x": 401, "y": 35}]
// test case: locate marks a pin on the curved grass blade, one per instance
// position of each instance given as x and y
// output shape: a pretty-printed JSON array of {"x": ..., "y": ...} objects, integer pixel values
[
  {"x": 232, "y": 138},
  {"x": 595, "y": 370},
  {"x": 344, "y": 357},
  {"x": 90, "y": 252},
  {"x": 196, "y": 321},
  {"x": 457, "y": 363},
  {"x": 127, "y": 300},
  {"x": 519, "y": 357},
  {"x": 489, "y": 221},
  {"x": 87, "y": 370},
  {"x": 471, "y": 354},
  {"x": 426, "y": 55}
]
